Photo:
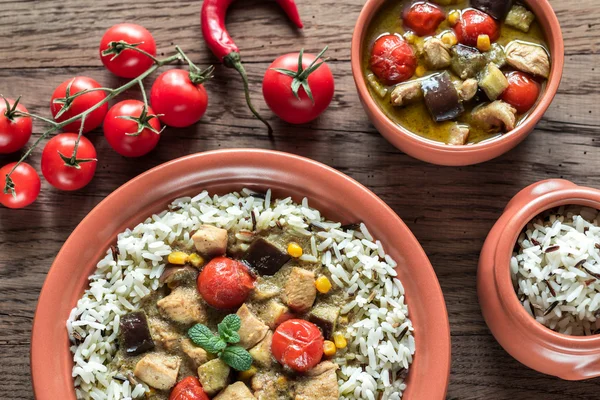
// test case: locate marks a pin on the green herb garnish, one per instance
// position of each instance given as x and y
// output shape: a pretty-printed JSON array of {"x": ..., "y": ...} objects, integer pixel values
[{"x": 236, "y": 357}]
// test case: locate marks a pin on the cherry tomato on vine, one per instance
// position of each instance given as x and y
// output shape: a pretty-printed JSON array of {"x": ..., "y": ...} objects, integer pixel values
[
  {"x": 423, "y": 18},
  {"x": 297, "y": 96},
  {"x": 15, "y": 131},
  {"x": 125, "y": 62},
  {"x": 522, "y": 91},
  {"x": 56, "y": 163},
  {"x": 392, "y": 59},
  {"x": 474, "y": 23},
  {"x": 225, "y": 283},
  {"x": 131, "y": 128},
  {"x": 79, "y": 104},
  {"x": 27, "y": 185},
  {"x": 188, "y": 389},
  {"x": 179, "y": 97},
  {"x": 298, "y": 344}
]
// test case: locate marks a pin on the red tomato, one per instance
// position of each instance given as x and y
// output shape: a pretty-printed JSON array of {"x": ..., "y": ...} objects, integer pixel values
[
  {"x": 128, "y": 63},
  {"x": 298, "y": 344},
  {"x": 392, "y": 59},
  {"x": 27, "y": 185},
  {"x": 278, "y": 94},
  {"x": 57, "y": 172},
  {"x": 80, "y": 104},
  {"x": 188, "y": 389},
  {"x": 225, "y": 283},
  {"x": 14, "y": 131},
  {"x": 180, "y": 101},
  {"x": 121, "y": 133},
  {"x": 474, "y": 23},
  {"x": 522, "y": 91},
  {"x": 423, "y": 18}
]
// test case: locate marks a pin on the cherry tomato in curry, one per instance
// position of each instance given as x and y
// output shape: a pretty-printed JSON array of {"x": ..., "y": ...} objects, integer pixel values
[
  {"x": 225, "y": 283},
  {"x": 522, "y": 91},
  {"x": 423, "y": 17},
  {"x": 474, "y": 23},
  {"x": 188, "y": 389},
  {"x": 298, "y": 344},
  {"x": 392, "y": 59}
]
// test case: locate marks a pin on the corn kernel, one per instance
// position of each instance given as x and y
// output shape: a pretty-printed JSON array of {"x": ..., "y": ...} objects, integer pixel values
[
  {"x": 323, "y": 284},
  {"x": 483, "y": 43},
  {"x": 248, "y": 374},
  {"x": 329, "y": 348},
  {"x": 196, "y": 260},
  {"x": 420, "y": 71},
  {"x": 453, "y": 17},
  {"x": 178, "y": 258},
  {"x": 294, "y": 250},
  {"x": 410, "y": 37},
  {"x": 339, "y": 340},
  {"x": 449, "y": 39}
]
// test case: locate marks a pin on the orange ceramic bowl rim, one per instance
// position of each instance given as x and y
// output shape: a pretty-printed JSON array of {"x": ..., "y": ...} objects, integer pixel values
[
  {"x": 224, "y": 171},
  {"x": 439, "y": 153}
]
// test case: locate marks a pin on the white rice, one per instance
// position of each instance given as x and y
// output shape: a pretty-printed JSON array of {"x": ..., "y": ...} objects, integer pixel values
[
  {"x": 556, "y": 271},
  {"x": 380, "y": 339}
]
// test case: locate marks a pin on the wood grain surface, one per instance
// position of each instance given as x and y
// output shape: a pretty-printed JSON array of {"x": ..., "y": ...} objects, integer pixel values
[{"x": 450, "y": 210}]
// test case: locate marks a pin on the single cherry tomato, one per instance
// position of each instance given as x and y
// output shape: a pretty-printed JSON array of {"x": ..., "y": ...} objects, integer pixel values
[
  {"x": 225, "y": 283},
  {"x": 15, "y": 131},
  {"x": 136, "y": 134},
  {"x": 27, "y": 185},
  {"x": 79, "y": 104},
  {"x": 57, "y": 170},
  {"x": 522, "y": 91},
  {"x": 285, "y": 88},
  {"x": 423, "y": 18},
  {"x": 125, "y": 62},
  {"x": 178, "y": 100},
  {"x": 474, "y": 23},
  {"x": 298, "y": 344},
  {"x": 188, "y": 389},
  {"x": 392, "y": 59}
]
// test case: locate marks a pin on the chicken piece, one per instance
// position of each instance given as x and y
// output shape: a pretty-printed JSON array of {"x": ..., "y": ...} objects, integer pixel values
[
  {"x": 213, "y": 376},
  {"x": 158, "y": 370},
  {"x": 529, "y": 58},
  {"x": 183, "y": 305},
  {"x": 406, "y": 93},
  {"x": 300, "y": 292},
  {"x": 236, "y": 391},
  {"x": 210, "y": 240},
  {"x": 266, "y": 385},
  {"x": 274, "y": 313},
  {"x": 320, "y": 383},
  {"x": 253, "y": 330},
  {"x": 163, "y": 334},
  {"x": 436, "y": 54},
  {"x": 459, "y": 134},
  {"x": 197, "y": 355},
  {"x": 467, "y": 89},
  {"x": 261, "y": 353},
  {"x": 496, "y": 115}
]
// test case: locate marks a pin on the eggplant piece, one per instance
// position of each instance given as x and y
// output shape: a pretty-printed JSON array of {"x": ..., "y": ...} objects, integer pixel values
[
  {"x": 135, "y": 334},
  {"x": 496, "y": 55},
  {"x": 265, "y": 257},
  {"x": 325, "y": 317},
  {"x": 497, "y": 9},
  {"x": 466, "y": 61},
  {"x": 441, "y": 97},
  {"x": 520, "y": 18},
  {"x": 178, "y": 273}
]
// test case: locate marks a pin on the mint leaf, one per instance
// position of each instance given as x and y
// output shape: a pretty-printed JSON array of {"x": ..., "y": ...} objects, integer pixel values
[
  {"x": 202, "y": 336},
  {"x": 228, "y": 328},
  {"x": 237, "y": 358}
]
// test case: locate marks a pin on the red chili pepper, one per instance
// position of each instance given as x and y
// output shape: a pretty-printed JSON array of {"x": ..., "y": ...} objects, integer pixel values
[{"x": 212, "y": 19}]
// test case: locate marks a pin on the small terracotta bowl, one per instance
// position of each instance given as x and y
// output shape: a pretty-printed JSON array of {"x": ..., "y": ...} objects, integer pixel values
[
  {"x": 338, "y": 197},
  {"x": 440, "y": 153},
  {"x": 531, "y": 343}
]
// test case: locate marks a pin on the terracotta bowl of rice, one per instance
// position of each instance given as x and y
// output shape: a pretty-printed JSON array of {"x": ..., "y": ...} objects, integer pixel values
[
  {"x": 539, "y": 279},
  {"x": 68, "y": 356}
]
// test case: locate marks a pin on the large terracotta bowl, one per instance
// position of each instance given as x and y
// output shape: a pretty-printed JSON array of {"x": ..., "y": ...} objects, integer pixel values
[
  {"x": 440, "y": 153},
  {"x": 531, "y": 343},
  {"x": 339, "y": 198}
]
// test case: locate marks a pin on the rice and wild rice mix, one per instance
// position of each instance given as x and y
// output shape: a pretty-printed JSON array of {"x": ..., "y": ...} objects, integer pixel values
[
  {"x": 379, "y": 334},
  {"x": 556, "y": 270}
]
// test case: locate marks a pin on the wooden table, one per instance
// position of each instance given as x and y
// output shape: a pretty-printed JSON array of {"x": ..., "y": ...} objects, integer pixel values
[{"x": 450, "y": 210}]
